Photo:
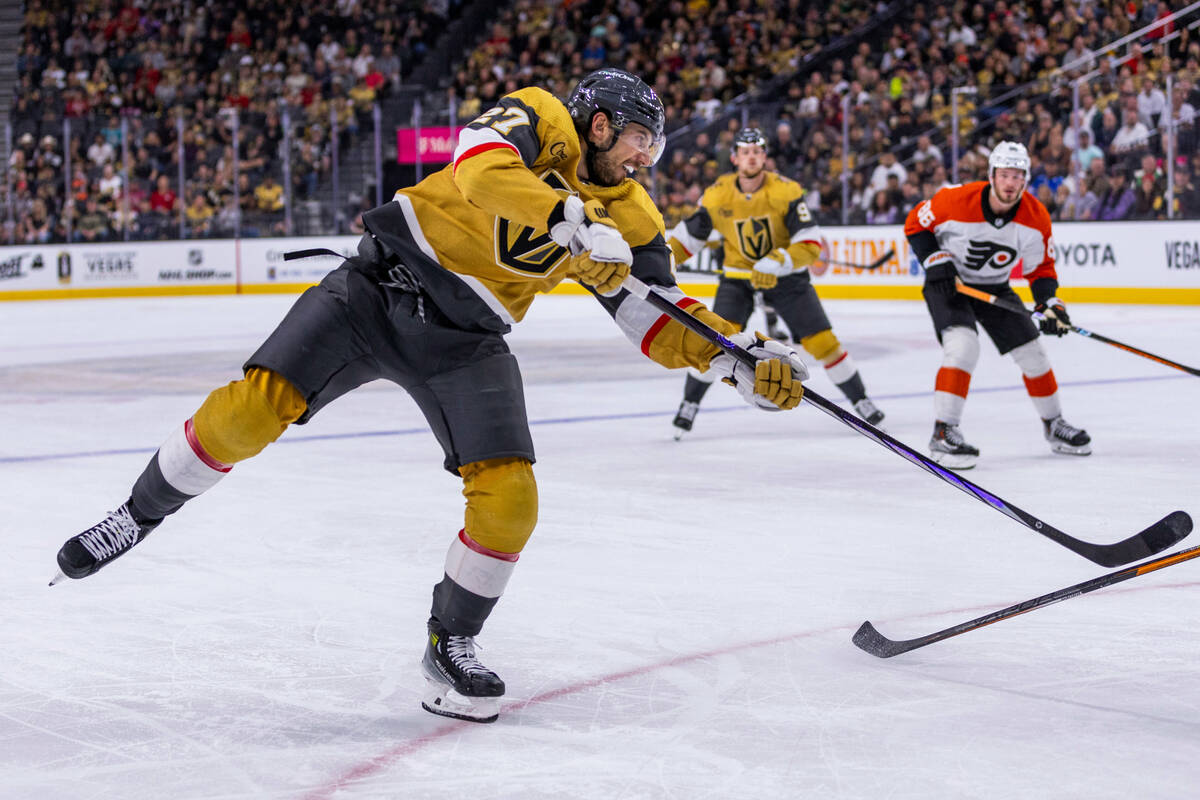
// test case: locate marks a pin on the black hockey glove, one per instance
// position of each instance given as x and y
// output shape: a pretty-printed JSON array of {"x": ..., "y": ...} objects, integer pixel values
[
  {"x": 1052, "y": 317},
  {"x": 940, "y": 275}
]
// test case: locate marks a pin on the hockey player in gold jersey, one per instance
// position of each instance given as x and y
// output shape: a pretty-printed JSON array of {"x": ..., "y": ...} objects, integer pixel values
[
  {"x": 769, "y": 240},
  {"x": 539, "y": 192}
]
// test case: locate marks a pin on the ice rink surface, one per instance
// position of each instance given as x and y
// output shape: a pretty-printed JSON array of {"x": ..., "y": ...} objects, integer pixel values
[{"x": 679, "y": 625}]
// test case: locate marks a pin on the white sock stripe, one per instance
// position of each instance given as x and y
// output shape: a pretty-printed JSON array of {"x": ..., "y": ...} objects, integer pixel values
[
  {"x": 183, "y": 468},
  {"x": 948, "y": 407},
  {"x": 842, "y": 370},
  {"x": 476, "y": 572}
]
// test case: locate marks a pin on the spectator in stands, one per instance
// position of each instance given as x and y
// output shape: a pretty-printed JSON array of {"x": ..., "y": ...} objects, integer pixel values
[
  {"x": 109, "y": 185},
  {"x": 199, "y": 214},
  {"x": 1117, "y": 201},
  {"x": 1133, "y": 134},
  {"x": 268, "y": 195},
  {"x": 1086, "y": 152},
  {"x": 888, "y": 167},
  {"x": 92, "y": 224},
  {"x": 1187, "y": 191},
  {"x": 163, "y": 199},
  {"x": 883, "y": 210},
  {"x": 1151, "y": 102}
]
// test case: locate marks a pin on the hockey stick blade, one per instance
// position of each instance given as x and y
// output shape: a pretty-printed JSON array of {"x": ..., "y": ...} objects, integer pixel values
[
  {"x": 870, "y": 640},
  {"x": 1154, "y": 539}
]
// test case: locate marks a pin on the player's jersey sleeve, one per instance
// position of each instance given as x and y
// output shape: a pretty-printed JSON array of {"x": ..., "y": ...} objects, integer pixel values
[
  {"x": 690, "y": 235},
  {"x": 1037, "y": 252},
  {"x": 919, "y": 228},
  {"x": 659, "y": 337},
  {"x": 804, "y": 244},
  {"x": 496, "y": 151}
]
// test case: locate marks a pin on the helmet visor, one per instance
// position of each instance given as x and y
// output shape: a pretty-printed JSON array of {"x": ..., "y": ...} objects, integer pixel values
[{"x": 643, "y": 141}]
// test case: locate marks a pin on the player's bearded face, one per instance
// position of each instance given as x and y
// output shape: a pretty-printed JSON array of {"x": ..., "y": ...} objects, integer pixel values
[
  {"x": 1008, "y": 182},
  {"x": 632, "y": 150},
  {"x": 749, "y": 160}
]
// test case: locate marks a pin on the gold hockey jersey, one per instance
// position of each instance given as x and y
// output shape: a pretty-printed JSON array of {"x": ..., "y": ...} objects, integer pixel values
[
  {"x": 751, "y": 226},
  {"x": 474, "y": 235}
]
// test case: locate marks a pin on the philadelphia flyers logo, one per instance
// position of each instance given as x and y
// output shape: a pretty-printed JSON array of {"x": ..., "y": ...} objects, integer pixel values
[
  {"x": 988, "y": 254},
  {"x": 754, "y": 237},
  {"x": 526, "y": 250}
]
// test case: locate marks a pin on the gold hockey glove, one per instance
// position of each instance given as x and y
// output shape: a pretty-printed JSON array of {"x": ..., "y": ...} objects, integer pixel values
[
  {"x": 603, "y": 276},
  {"x": 774, "y": 384},
  {"x": 767, "y": 270}
]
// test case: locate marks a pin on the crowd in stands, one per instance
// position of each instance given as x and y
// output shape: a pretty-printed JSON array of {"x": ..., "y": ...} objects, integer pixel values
[
  {"x": 1112, "y": 165},
  {"x": 145, "y": 63},
  {"x": 100, "y": 62}
]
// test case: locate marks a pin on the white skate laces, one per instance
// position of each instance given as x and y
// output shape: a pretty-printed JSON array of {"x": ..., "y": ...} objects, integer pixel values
[{"x": 115, "y": 533}]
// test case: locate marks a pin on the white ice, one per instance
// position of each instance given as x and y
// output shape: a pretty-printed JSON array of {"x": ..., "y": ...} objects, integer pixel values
[{"x": 679, "y": 625}]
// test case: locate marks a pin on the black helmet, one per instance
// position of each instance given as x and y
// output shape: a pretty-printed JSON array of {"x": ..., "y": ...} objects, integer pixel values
[
  {"x": 749, "y": 136},
  {"x": 625, "y": 98}
]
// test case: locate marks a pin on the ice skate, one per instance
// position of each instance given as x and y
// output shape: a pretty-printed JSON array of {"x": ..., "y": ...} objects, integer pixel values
[
  {"x": 105, "y": 541},
  {"x": 867, "y": 409},
  {"x": 456, "y": 684},
  {"x": 684, "y": 418},
  {"x": 1066, "y": 438},
  {"x": 948, "y": 448}
]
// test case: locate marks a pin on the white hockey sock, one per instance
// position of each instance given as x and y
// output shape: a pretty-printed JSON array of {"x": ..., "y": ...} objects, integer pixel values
[
  {"x": 1039, "y": 378},
  {"x": 960, "y": 354},
  {"x": 186, "y": 465},
  {"x": 478, "y": 569}
]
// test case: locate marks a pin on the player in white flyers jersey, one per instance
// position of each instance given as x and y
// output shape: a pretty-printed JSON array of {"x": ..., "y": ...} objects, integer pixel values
[{"x": 980, "y": 232}]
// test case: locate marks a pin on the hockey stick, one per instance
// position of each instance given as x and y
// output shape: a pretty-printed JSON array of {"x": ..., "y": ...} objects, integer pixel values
[
  {"x": 876, "y": 264},
  {"x": 875, "y": 643},
  {"x": 1154, "y": 539},
  {"x": 1018, "y": 308}
]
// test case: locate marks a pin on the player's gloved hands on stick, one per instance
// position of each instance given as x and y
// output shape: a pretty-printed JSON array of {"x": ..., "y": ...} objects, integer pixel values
[
  {"x": 774, "y": 381},
  {"x": 767, "y": 270},
  {"x": 939, "y": 275},
  {"x": 601, "y": 255},
  {"x": 586, "y": 227},
  {"x": 603, "y": 276},
  {"x": 1052, "y": 317}
]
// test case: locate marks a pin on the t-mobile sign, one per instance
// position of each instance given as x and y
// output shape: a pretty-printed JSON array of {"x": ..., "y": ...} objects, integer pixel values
[{"x": 437, "y": 145}]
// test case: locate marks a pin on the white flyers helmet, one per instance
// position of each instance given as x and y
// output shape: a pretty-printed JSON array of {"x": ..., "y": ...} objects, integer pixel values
[{"x": 1011, "y": 155}]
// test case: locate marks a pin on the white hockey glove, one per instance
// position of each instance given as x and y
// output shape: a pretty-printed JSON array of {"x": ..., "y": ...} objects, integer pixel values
[
  {"x": 601, "y": 256},
  {"x": 774, "y": 382},
  {"x": 769, "y": 269}
]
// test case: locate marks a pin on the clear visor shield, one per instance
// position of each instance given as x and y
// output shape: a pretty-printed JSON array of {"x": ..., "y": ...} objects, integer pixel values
[{"x": 639, "y": 138}]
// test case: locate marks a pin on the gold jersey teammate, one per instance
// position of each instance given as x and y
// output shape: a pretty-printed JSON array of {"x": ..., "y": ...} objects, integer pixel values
[{"x": 769, "y": 240}]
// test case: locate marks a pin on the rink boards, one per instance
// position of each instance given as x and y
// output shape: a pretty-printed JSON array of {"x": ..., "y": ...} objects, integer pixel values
[{"x": 1125, "y": 262}]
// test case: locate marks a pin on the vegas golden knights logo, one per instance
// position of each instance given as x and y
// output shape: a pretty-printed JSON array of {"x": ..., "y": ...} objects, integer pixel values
[
  {"x": 521, "y": 249},
  {"x": 754, "y": 237}
]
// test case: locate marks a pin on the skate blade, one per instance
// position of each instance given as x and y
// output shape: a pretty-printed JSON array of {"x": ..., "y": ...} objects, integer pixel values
[
  {"x": 1070, "y": 449},
  {"x": 58, "y": 578},
  {"x": 444, "y": 701},
  {"x": 679, "y": 432},
  {"x": 951, "y": 461}
]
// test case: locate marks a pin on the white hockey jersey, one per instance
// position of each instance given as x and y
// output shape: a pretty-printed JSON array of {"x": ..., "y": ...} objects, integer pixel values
[{"x": 986, "y": 248}]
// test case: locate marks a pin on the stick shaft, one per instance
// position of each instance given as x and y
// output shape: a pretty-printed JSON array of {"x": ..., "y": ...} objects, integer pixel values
[
  {"x": 1154, "y": 539},
  {"x": 875, "y": 643},
  {"x": 1017, "y": 308}
]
